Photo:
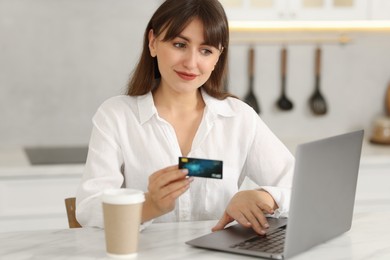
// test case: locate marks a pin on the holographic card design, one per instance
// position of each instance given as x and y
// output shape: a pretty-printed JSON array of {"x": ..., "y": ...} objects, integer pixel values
[{"x": 201, "y": 167}]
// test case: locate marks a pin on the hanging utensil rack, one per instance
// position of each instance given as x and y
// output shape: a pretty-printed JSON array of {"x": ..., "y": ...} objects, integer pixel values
[
  {"x": 255, "y": 39},
  {"x": 295, "y": 32}
]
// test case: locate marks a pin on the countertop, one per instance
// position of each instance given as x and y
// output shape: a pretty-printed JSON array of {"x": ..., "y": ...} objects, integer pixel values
[
  {"x": 372, "y": 154},
  {"x": 366, "y": 240},
  {"x": 14, "y": 161}
]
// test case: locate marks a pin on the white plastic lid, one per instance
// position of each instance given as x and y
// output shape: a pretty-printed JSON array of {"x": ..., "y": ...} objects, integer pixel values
[{"x": 123, "y": 196}]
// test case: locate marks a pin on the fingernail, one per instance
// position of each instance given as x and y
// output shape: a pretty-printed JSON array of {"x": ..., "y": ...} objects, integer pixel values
[
  {"x": 190, "y": 179},
  {"x": 262, "y": 232},
  {"x": 266, "y": 225},
  {"x": 184, "y": 171}
]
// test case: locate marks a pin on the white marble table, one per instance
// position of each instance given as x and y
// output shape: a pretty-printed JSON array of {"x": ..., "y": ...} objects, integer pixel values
[{"x": 369, "y": 238}]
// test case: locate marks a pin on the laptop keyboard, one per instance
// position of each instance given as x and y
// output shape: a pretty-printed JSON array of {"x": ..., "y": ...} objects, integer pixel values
[{"x": 270, "y": 243}]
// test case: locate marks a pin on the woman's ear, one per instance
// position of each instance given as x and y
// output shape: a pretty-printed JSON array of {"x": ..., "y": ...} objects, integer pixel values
[{"x": 152, "y": 43}]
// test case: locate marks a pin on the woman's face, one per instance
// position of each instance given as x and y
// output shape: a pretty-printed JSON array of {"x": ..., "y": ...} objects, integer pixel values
[{"x": 186, "y": 62}]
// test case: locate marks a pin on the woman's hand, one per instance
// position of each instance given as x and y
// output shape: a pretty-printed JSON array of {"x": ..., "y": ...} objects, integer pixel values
[
  {"x": 165, "y": 186},
  {"x": 248, "y": 208}
]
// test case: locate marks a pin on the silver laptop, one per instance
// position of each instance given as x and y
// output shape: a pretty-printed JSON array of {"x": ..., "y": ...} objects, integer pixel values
[{"x": 322, "y": 201}]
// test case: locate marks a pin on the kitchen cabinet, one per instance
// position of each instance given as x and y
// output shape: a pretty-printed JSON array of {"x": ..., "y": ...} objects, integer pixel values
[
  {"x": 296, "y": 9},
  {"x": 329, "y": 9},
  {"x": 254, "y": 10},
  {"x": 379, "y": 9},
  {"x": 33, "y": 201}
]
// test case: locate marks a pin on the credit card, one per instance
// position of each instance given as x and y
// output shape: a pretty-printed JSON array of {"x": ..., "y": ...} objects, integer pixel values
[{"x": 201, "y": 167}]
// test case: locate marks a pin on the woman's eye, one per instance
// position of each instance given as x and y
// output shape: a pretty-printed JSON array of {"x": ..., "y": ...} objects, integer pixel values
[
  {"x": 179, "y": 45},
  {"x": 206, "y": 52}
]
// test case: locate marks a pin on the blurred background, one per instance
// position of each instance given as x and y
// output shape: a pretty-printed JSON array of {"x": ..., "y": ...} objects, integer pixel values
[{"x": 60, "y": 59}]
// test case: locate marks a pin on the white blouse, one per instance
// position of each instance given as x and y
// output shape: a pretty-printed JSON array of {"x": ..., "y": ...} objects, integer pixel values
[{"x": 130, "y": 141}]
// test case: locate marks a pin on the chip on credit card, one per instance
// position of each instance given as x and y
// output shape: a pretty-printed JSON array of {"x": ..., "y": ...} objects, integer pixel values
[{"x": 201, "y": 167}]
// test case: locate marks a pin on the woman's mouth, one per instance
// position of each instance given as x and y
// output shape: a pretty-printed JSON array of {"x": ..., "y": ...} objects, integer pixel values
[{"x": 186, "y": 76}]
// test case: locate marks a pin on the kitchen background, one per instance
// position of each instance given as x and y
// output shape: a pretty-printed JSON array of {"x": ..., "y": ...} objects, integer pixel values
[{"x": 61, "y": 59}]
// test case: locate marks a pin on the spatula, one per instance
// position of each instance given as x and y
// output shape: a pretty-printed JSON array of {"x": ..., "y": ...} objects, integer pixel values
[
  {"x": 250, "y": 97},
  {"x": 317, "y": 101},
  {"x": 283, "y": 102}
]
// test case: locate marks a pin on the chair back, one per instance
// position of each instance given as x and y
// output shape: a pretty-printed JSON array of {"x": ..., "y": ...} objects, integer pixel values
[{"x": 70, "y": 204}]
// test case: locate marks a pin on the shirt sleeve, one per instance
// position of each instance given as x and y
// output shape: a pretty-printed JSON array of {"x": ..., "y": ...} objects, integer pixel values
[
  {"x": 270, "y": 165},
  {"x": 102, "y": 170}
]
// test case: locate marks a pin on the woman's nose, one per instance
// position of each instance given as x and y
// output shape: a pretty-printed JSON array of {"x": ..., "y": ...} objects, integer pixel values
[{"x": 190, "y": 59}]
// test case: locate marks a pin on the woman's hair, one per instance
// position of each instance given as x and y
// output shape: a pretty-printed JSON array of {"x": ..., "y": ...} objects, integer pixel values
[{"x": 174, "y": 16}]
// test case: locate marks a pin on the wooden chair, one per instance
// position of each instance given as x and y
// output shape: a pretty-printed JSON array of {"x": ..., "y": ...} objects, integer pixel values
[{"x": 70, "y": 204}]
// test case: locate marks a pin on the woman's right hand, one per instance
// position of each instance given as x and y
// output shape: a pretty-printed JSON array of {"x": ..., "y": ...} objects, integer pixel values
[{"x": 165, "y": 186}]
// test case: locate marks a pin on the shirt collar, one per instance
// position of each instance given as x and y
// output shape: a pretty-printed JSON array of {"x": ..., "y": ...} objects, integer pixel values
[
  {"x": 146, "y": 108},
  {"x": 215, "y": 106}
]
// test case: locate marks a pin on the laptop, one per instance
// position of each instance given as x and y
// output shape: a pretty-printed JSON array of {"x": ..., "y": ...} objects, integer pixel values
[{"x": 321, "y": 206}]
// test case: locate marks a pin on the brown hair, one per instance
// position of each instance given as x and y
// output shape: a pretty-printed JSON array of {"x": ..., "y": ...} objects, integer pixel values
[{"x": 174, "y": 16}]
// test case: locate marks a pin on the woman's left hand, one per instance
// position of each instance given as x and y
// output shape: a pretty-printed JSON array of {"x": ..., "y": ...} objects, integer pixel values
[{"x": 248, "y": 208}]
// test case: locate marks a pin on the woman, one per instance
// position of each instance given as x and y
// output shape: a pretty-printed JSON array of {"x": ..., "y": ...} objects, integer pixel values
[{"x": 175, "y": 107}]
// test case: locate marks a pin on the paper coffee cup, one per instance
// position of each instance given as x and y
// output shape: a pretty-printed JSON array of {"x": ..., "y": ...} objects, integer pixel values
[{"x": 122, "y": 210}]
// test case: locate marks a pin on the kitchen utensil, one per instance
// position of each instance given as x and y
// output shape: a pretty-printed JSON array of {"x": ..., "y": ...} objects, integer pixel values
[
  {"x": 317, "y": 101},
  {"x": 283, "y": 102},
  {"x": 250, "y": 97}
]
